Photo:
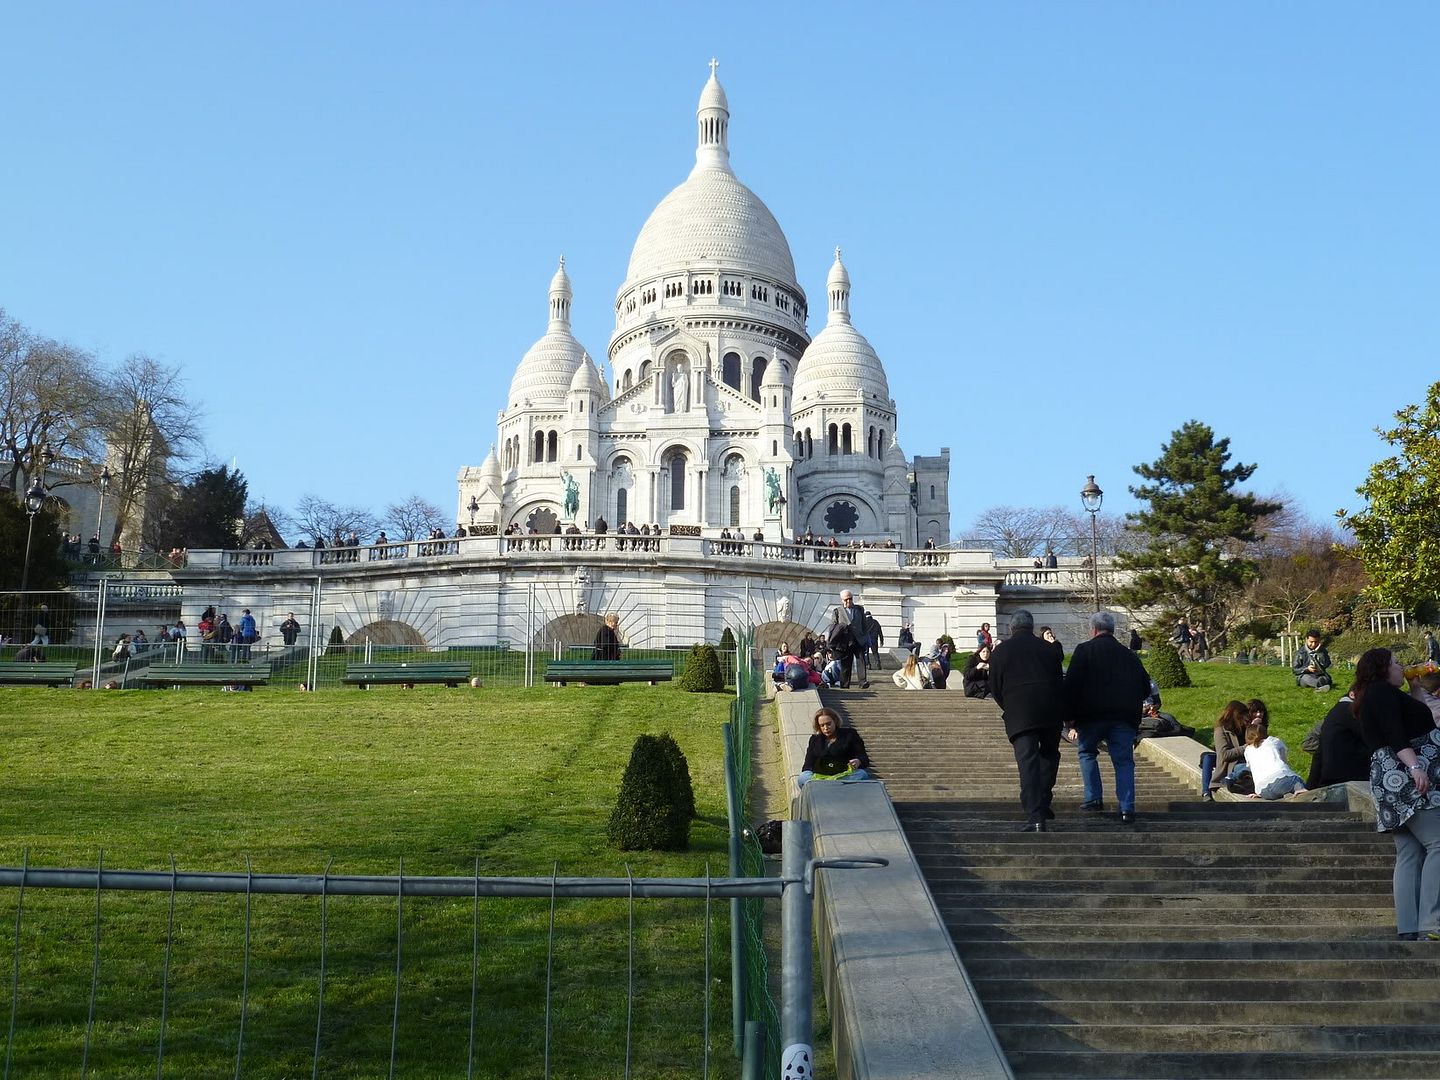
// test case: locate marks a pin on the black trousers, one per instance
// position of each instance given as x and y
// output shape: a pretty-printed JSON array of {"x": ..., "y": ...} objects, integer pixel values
[{"x": 1037, "y": 755}]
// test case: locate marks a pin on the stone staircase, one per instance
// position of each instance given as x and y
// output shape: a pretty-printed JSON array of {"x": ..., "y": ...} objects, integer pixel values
[{"x": 1208, "y": 940}]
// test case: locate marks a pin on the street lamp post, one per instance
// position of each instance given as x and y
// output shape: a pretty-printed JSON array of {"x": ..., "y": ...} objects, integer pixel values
[
  {"x": 34, "y": 500},
  {"x": 1091, "y": 497},
  {"x": 474, "y": 509},
  {"x": 104, "y": 485}
]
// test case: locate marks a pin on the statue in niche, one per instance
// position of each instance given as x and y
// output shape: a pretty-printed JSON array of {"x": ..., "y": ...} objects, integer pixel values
[
  {"x": 680, "y": 389},
  {"x": 782, "y": 608}
]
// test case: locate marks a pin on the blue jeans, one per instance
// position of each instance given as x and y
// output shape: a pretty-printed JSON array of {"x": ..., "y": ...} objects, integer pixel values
[
  {"x": 1120, "y": 738},
  {"x": 1207, "y": 770}
]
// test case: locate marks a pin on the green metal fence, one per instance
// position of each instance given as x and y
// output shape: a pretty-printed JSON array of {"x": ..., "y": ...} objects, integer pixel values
[{"x": 753, "y": 1000}]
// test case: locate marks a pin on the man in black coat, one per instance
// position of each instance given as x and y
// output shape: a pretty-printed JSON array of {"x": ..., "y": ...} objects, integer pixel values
[
  {"x": 847, "y": 638},
  {"x": 1027, "y": 683},
  {"x": 1104, "y": 688}
]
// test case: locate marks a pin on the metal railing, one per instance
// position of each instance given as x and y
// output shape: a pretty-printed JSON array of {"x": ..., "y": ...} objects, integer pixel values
[{"x": 795, "y": 887}]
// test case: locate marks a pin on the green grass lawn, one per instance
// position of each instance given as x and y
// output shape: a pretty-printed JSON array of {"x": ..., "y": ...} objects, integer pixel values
[
  {"x": 1293, "y": 710},
  {"x": 518, "y": 779}
]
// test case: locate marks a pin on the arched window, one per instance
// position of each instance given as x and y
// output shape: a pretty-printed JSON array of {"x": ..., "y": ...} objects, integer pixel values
[
  {"x": 539, "y": 454},
  {"x": 880, "y": 444},
  {"x": 870, "y": 442},
  {"x": 932, "y": 492},
  {"x": 757, "y": 375},
  {"x": 807, "y": 444},
  {"x": 644, "y": 370},
  {"x": 622, "y": 506},
  {"x": 735, "y": 504},
  {"x": 676, "y": 462},
  {"x": 834, "y": 447},
  {"x": 626, "y": 382},
  {"x": 774, "y": 448},
  {"x": 730, "y": 370},
  {"x": 552, "y": 444},
  {"x": 579, "y": 453},
  {"x": 846, "y": 446}
]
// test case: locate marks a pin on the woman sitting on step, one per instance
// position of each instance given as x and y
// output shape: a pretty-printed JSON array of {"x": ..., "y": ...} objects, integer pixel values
[
  {"x": 834, "y": 752},
  {"x": 1266, "y": 756},
  {"x": 910, "y": 676},
  {"x": 1229, "y": 756},
  {"x": 976, "y": 677}
]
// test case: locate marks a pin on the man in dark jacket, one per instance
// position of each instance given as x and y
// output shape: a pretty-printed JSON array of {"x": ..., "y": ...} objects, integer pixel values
[
  {"x": 1027, "y": 683},
  {"x": 1103, "y": 690},
  {"x": 1312, "y": 664},
  {"x": 847, "y": 638}
]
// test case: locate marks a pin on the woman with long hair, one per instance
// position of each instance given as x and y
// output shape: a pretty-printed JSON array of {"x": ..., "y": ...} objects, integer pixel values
[
  {"x": 1229, "y": 744},
  {"x": 910, "y": 676},
  {"x": 1269, "y": 763},
  {"x": 1404, "y": 773}
]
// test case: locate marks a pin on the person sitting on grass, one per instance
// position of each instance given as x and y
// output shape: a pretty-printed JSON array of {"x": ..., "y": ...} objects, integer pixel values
[
  {"x": 834, "y": 752},
  {"x": 1266, "y": 756},
  {"x": 1312, "y": 663}
]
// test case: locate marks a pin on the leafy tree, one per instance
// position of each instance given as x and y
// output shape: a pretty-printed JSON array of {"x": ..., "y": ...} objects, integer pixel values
[
  {"x": 206, "y": 511},
  {"x": 1396, "y": 533},
  {"x": 48, "y": 569},
  {"x": 413, "y": 517},
  {"x": 1194, "y": 561}
]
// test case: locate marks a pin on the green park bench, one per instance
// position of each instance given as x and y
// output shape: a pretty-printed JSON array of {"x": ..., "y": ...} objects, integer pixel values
[
  {"x": 609, "y": 672},
  {"x": 205, "y": 674},
  {"x": 28, "y": 674},
  {"x": 408, "y": 673}
]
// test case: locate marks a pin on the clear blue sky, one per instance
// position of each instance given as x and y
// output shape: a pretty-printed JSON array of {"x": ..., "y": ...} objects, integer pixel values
[{"x": 1071, "y": 227}]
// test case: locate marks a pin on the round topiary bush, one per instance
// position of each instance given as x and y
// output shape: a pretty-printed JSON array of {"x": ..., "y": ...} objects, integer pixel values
[
  {"x": 703, "y": 674},
  {"x": 648, "y": 815},
  {"x": 679, "y": 773},
  {"x": 1166, "y": 667}
]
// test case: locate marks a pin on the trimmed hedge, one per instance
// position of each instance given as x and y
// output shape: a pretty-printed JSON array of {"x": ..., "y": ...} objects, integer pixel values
[
  {"x": 649, "y": 813},
  {"x": 727, "y": 640},
  {"x": 1166, "y": 667},
  {"x": 679, "y": 773},
  {"x": 703, "y": 674}
]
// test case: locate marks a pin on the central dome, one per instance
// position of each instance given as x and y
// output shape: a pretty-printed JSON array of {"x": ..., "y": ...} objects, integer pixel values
[{"x": 712, "y": 219}]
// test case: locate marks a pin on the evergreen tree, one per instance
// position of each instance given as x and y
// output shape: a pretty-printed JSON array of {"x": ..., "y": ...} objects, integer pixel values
[
  {"x": 679, "y": 773},
  {"x": 703, "y": 674},
  {"x": 1197, "y": 526},
  {"x": 1165, "y": 666},
  {"x": 207, "y": 511},
  {"x": 1396, "y": 533},
  {"x": 648, "y": 814}
]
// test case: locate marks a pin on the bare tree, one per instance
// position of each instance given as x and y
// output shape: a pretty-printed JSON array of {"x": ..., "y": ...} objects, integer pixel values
[
  {"x": 49, "y": 397},
  {"x": 321, "y": 519},
  {"x": 412, "y": 517},
  {"x": 150, "y": 428},
  {"x": 1019, "y": 532}
]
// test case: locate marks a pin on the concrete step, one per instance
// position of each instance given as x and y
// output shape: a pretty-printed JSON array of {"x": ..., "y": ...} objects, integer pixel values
[
  {"x": 1208, "y": 1013},
  {"x": 1137, "y": 969},
  {"x": 1045, "y": 920},
  {"x": 1235, "y": 1038},
  {"x": 1053, "y": 992},
  {"x": 1322, "y": 1065},
  {"x": 1302, "y": 950},
  {"x": 1131, "y": 862}
]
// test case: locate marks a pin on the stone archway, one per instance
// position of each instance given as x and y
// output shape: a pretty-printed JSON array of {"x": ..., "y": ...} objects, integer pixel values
[{"x": 387, "y": 632}]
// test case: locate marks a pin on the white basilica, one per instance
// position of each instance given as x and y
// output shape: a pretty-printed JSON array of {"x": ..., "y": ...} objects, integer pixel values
[{"x": 722, "y": 411}]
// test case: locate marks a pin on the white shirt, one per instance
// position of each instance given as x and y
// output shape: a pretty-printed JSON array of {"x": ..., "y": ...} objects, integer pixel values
[{"x": 1267, "y": 762}]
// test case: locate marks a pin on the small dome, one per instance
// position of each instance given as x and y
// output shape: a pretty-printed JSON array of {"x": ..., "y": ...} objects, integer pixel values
[
  {"x": 587, "y": 378},
  {"x": 773, "y": 377},
  {"x": 545, "y": 371},
  {"x": 839, "y": 359},
  {"x": 490, "y": 470}
]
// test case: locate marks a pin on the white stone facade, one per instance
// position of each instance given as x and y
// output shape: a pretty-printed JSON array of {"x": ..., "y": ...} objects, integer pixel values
[{"x": 719, "y": 410}]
